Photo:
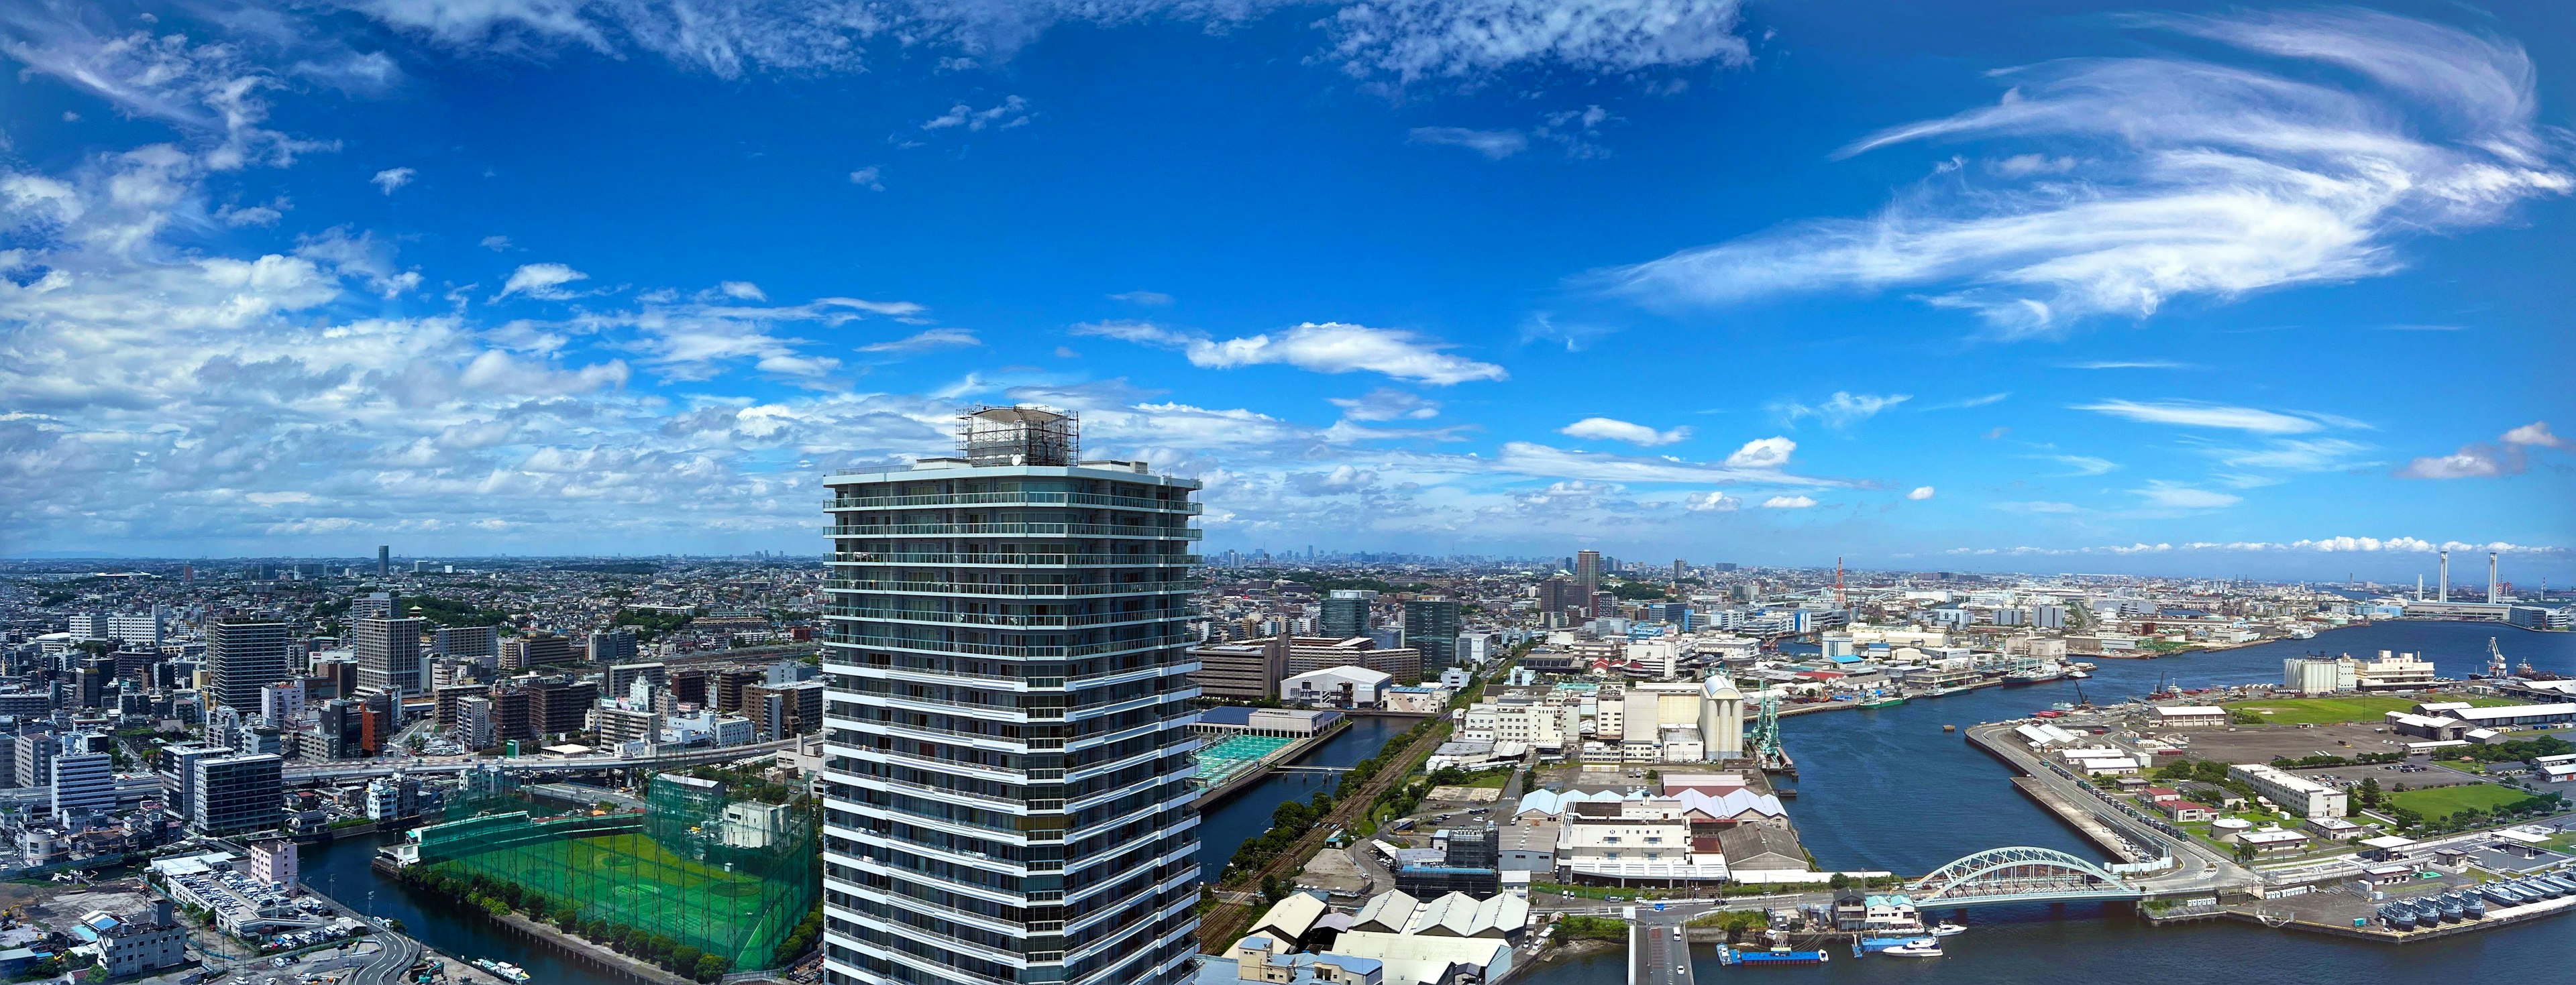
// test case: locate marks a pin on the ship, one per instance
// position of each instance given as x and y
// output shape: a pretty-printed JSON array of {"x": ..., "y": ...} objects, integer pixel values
[
  {"x": 504, "y": 970},
  {"x": 1889, "y": 701}
]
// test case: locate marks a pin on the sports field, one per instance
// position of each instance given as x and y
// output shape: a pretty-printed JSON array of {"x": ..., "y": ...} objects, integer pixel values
[
  {"x": 630, "y": 878},
  {"x": 2359, "y": 709},
  {"x": 2441, "y": 802},
  {"x": 1229, "y": 757}
]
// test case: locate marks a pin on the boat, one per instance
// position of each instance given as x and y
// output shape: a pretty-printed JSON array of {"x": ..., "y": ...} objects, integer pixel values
[
  {"x": 1947, "y": 930},
  {"x": 2477, "y": 905},
  {"x": 2452, "y": 911},
  {"x": 2079, "y": 673},
  {"x": 2061, "y": 706},
  {"x": 504, "y": 970},
  {"x": 1949, "y": 728},
  {"x": 1914, "y": 951},
  {"x": 1890, "y": 701},
  {"x": 1777, "y": 955},
  {"x": 1870, "y": 945},
  {"x": 2398, "y": 916}
]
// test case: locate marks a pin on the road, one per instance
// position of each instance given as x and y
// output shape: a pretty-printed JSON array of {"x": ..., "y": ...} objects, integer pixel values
[
  {"x": 2199, "y": 871},
  {"x": 1658, "y": 954},
  {"x": 389, "y": 965},
  {"x": 137, "y": 786}
]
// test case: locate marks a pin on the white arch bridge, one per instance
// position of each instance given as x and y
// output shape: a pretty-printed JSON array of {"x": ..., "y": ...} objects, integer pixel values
[{"x": 1999, "y": 876}]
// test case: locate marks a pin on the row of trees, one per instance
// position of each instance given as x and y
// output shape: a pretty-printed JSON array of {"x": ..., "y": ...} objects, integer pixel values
[
  {"x": 2312, "y": 762},
  {"x": 499, "y": 898}
]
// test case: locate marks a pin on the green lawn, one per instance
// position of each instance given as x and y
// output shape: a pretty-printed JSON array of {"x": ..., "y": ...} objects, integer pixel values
[
  {"x": 2323, "y": 711},
  {"x": 2441, "y": 802},
  {"x": 1491, "y": 779}
]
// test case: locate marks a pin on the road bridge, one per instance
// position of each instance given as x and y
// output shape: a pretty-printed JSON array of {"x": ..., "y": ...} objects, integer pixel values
[{"x": 2002, "y": 876}]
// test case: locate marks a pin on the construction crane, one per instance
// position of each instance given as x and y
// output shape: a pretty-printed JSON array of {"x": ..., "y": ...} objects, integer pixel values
[{"x": 2495, "y": 659}]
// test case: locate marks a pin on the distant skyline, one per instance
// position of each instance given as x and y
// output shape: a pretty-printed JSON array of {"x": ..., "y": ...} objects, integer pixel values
[{"x": 2178, "y": 289}]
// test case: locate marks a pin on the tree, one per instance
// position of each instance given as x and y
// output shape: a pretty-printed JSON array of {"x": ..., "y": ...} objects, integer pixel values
[
  {"x": 712, "y": 967},
  {"x": 1839, "y": 881},
  {"x": 684, "y": 959}
]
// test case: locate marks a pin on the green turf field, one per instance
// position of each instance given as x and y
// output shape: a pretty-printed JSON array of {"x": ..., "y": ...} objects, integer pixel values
[
  {"x": 2360, "y": 709},
  {"x": 2441, "y": 802}
]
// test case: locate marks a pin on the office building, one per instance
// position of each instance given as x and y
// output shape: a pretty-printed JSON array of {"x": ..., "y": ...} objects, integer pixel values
[
  {"x": 2296, "y": 794},
  {"x": 480, "y": 644},
  {"x": 243, "y": 656},
  {"x": 384, "y": 560},
  {"x": 474, "y": 723},
  {"x": 83, "y": 781},
  {"x": 612, "y": 646},
  {"x": 1246, "y": 671},
  {"x": 1587, "y": 572},
  {"x": 1431, "y": 628},
  {"x": 389, "y": 658},
  {"x": 237, "y": 793},
  {"x": 1006, "y": 769},
  {"x": 535, "y": 650},
  {"x": 1346, "y": 613},
  {"x": 373, "y": 605},
  {"x": 622, "y": 677}
]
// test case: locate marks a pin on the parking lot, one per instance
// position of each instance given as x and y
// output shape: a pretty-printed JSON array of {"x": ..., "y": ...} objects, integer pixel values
[{"x": 2416, "y": 775}]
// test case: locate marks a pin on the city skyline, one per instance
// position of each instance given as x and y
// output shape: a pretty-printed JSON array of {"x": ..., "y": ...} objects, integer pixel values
[{"x": 1760, "y": 284}]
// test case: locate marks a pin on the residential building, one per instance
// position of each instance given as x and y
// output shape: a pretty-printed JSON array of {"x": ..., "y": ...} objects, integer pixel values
[
  {"x": 135, "y": 944},
  {"x": 389, "y": 656},
  {"x": 2297, "y": 794},
  {"x": 243, "y": 656},
  {"x": 1247, "y": 671},
  {"x": 612, "y": 646},
  {"x": 238, "y": 793},
  {"x": 480, "y": 644},
  {"x": 84, "y": 781},
  {"x": 1001, "y": 621},
  {"x": 534, "y": 650},
  {"x": 272, "y": 860}
]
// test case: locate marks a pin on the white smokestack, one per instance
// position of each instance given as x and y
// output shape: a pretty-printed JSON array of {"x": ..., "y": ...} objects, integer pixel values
[
  {"x": 2443, "y": 587},
  {"x": 2494, "y": 588}
]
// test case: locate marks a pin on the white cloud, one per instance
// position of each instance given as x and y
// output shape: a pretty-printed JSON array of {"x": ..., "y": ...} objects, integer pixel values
[
  {"x": 2084, "y": 464},
  {"x": 1713, "y": 502},
  {"x": 1323, "y": 347},
  {"x": 1762, "y": 453},
  {"x": 1413, "y": 40},
  {"x": 2128, "y": 364},
  {"x": 1920, "y": 493},
  {"x": 1842, "y": 410},
  {"x": 1150, "y": 299},
  {"x": 1493, "y": 144},
  {"x": 2296, "y": 455},
  {"x": 2200, "y": 178},
  {"x": 2510, "y": 455},
  {"x": 1533, "y": 459},
  {"x": 2190, "y": 413},
  {"x": 937, "y": 338},
  {"x": 1787, "y": 503},
  {"x": 211, "y": 92},
  {"x": 741, "y": 290},
  {"x": 2038, "y": 506},
  {"x": 541, "y": 280},
  {"x": 1386, "y": 404},
  {"x": 1607, "y": 429},
  {"x": 497, "y": 244},
  {"x": 871, "y": 178},
  {"x": 2170, "y": 495},
  {"x": 2534, "y": 433},
  {"x": 1012, "y": 111},
  {"x": 392, "y": 178},
  {"x": 2322, "y": 545}
]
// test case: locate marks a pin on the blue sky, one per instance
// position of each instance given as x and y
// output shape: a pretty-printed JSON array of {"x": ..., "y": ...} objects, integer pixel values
[{"x": 2198, "y": 289}]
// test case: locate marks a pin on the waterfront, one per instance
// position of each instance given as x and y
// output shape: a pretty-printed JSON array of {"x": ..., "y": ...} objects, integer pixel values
[
  {"x": 1887, "y": 789},
  {"x": 339, "y": 870},
  {"x": 1246, "y": 815}
]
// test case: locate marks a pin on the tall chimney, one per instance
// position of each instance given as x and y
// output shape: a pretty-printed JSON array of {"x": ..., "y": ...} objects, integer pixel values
[
  {"x": 2443, "y": 587},
  {"x": 2492, "y": 587}
]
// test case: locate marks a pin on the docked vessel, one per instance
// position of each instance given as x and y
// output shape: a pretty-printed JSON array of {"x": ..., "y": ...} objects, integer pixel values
[
  {"x": 1889, "y": 701},
  {"x": 1922, "y": 950},
  {"x": 502, "y": 969},
  {"x": 1947, "y": 930}
]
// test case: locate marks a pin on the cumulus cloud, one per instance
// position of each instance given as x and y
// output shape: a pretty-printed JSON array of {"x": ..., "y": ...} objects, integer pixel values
[
  {"x": 392, "y": 178},
  {"x": 1713, "y": 502},
  {"x": 1607, "y": 429},
  {"x": 1493, "y": 144},
  {"x": 1920, "y": 493},
  {"x": 1762, "y": 453},
  {"x": 541, "y": 280},
  {"x": 1322, "y": 347},
  {"x": 1842, "y": 410},
  {"x": 2189, "y": 413},
  {"x": 870, "y": 178},
  {"x": 1788, "y": 503},
  {"x": 2509, "y": 455},
  {"x": 2197, "y": 178}
]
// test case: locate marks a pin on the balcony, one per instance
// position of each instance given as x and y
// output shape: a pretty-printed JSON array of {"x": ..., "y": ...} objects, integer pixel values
[
  {"x": 1011, "y": 591},
  {"x": 1021, "y": 560},
  {"x": 1013, "y": 499},
  {"x": 1017, "y": 530},
  {"x": 1000, "y": 650},
  {"x": 1003, "y": 619}
]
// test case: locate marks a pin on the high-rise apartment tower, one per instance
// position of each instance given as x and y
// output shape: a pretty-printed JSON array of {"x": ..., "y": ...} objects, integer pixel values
[
  {"x": 1007, "y": 716},
  {"x": 243, "y": 656}
]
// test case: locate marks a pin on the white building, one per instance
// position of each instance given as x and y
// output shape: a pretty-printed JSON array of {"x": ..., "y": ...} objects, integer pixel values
[
  {"x": 1348, "y": 687},
  {"x": 2320, "y": 675},
  {"x": 948, "y": 866},
  {"x": 2296, "y": 794},
  {"x": 83, "y": 781}
]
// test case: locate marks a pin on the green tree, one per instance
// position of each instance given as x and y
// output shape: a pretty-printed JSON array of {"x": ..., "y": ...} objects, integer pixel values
[{"x": 712, "y": 967}]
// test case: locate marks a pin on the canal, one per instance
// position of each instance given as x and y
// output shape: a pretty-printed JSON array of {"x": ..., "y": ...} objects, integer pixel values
[
  {"x": 340, "y": 870},
  {"x": 1887, "y": 789},
  {"x": 1246, "y": 815}
]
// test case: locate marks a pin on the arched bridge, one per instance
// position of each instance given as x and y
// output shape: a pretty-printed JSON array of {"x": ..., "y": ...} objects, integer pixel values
[{"x": 1998, "y": 876}]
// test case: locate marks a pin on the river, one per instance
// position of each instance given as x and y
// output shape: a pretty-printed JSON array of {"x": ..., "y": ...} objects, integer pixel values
[
  {"x": 1887, "y": 789},
  {"x": 1246, "y": 815}
]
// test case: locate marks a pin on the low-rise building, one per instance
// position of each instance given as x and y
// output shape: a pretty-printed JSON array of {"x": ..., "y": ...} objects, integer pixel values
[{"x": 2296, "y": 794}]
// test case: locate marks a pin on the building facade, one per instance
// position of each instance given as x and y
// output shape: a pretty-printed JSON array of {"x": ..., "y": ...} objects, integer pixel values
[
  {"x": 1431, "y": 627},
  {"x": 243, "y": 656},
  {"x": 1008, "y": 722}
]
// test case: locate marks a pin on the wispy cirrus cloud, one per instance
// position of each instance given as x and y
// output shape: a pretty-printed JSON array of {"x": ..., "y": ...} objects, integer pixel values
[
  {"x": 2196, "y": 178},
  {"x": 1322, "y": 347},
  {"x": 2192, "y": 413},
  {"x": 1493, "y": 144},
  {"x": 1842, "y": 410}
]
